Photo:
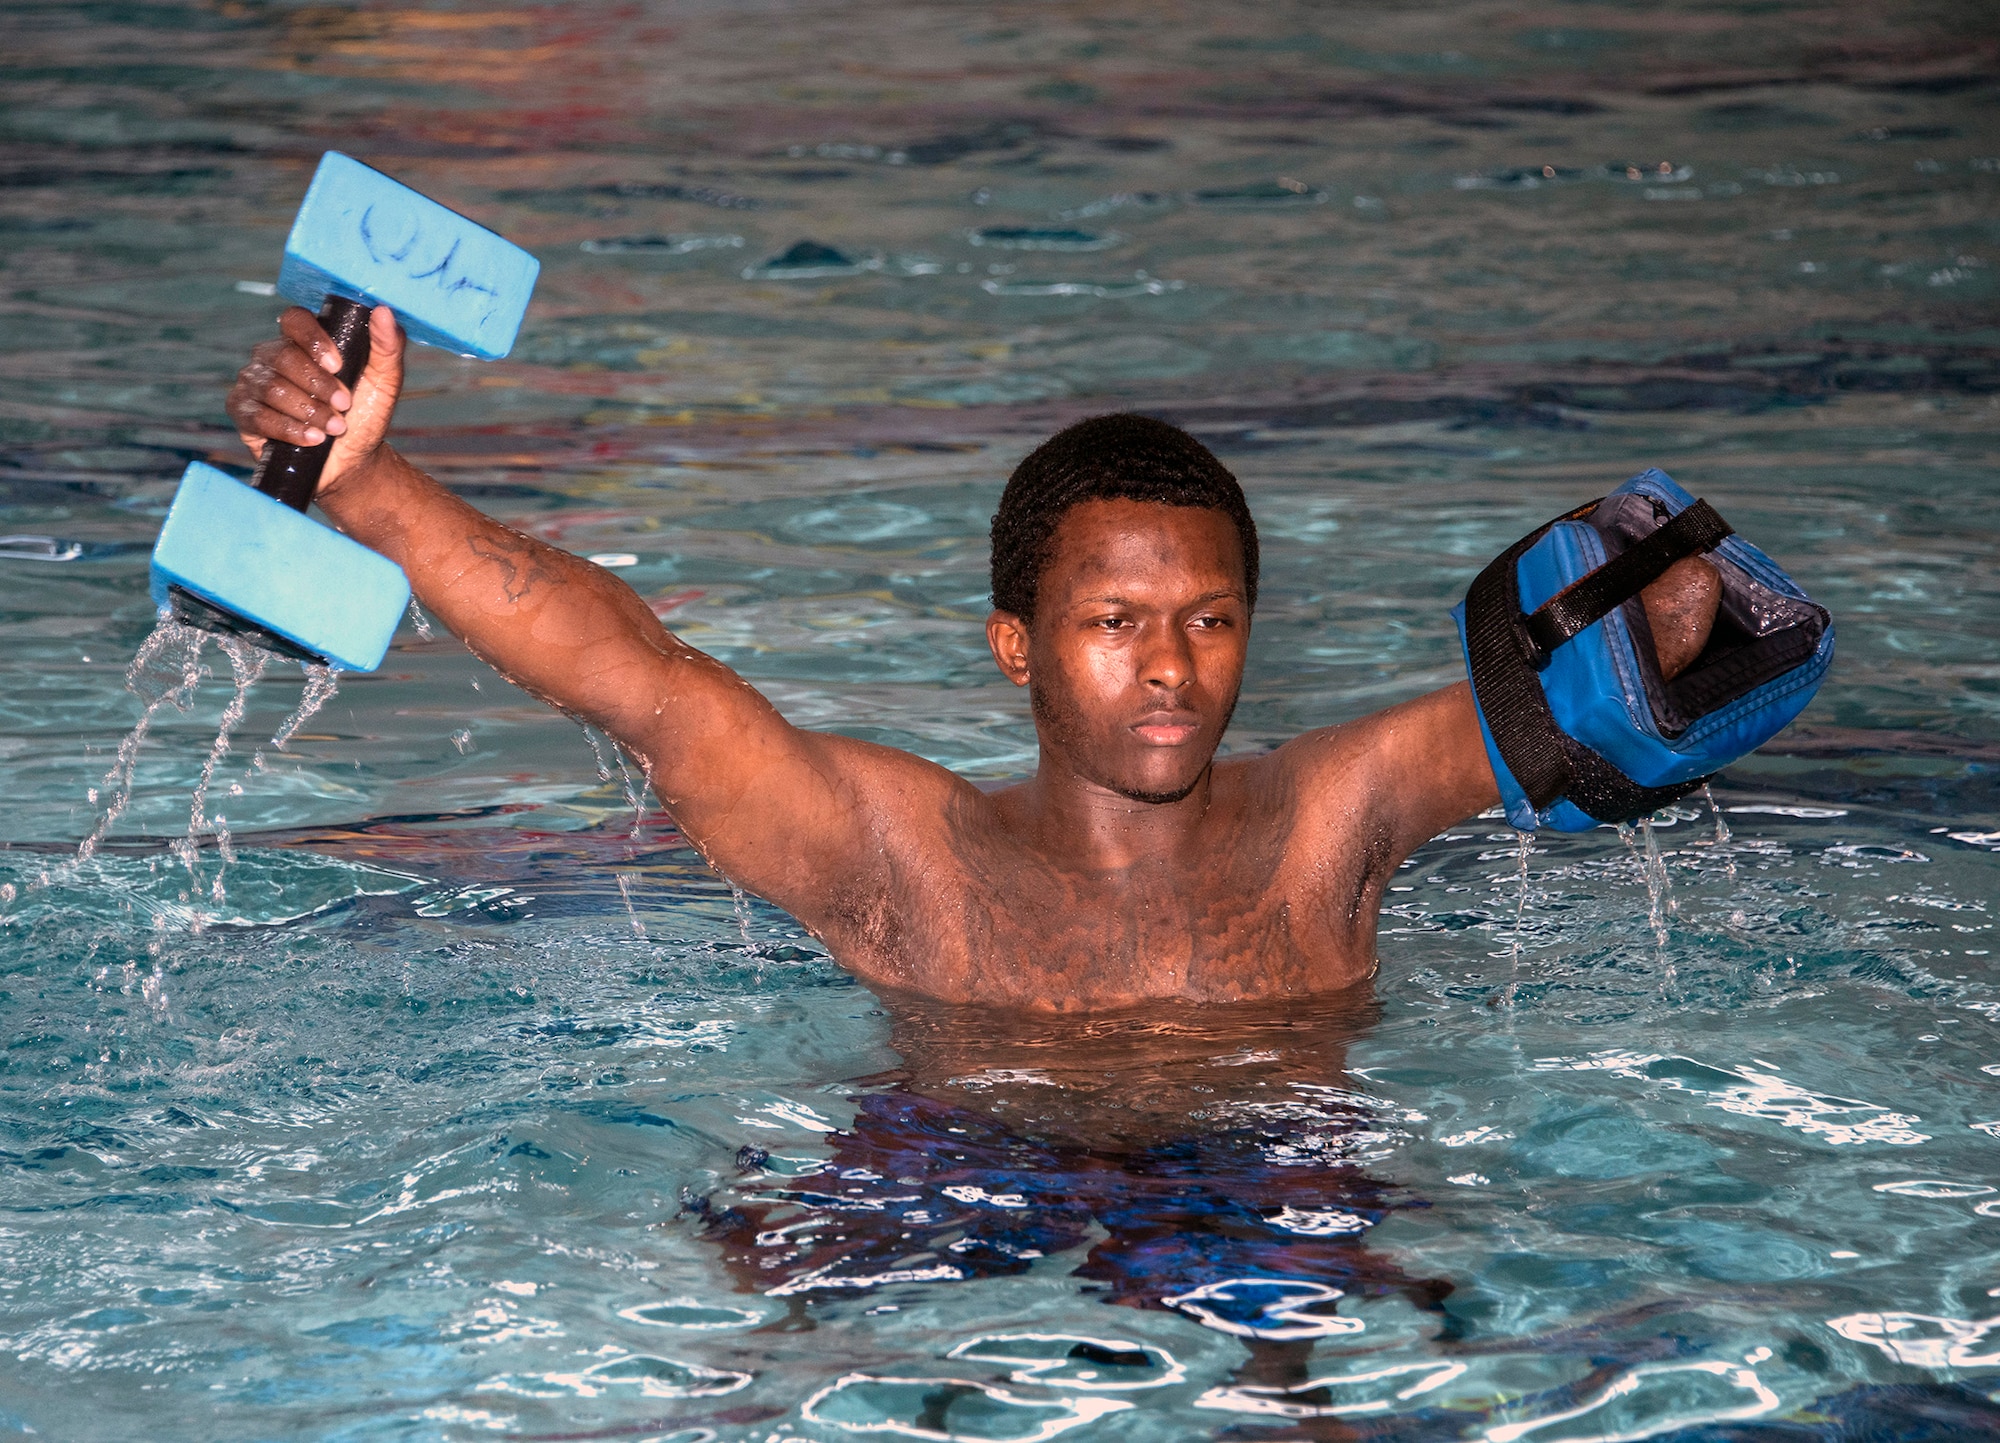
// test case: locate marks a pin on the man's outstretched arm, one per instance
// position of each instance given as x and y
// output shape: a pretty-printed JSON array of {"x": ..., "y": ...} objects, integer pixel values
[
  {"x": 787, "y": 813},
  {"x": 1420, "y": 767},
  {"x": 1443, "y": 774}
]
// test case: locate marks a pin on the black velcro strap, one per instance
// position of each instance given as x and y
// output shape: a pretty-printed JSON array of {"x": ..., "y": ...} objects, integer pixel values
[
  {"x": 1591, "y": 598},
  {"x": 1548, "y": 764}
]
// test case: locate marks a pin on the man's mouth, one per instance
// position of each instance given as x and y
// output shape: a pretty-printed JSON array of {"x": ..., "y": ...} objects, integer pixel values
[{"x": 1167, "y": 728}]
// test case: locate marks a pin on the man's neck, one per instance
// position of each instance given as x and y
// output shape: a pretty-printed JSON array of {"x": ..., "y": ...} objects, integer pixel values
[{"x": 1084, "y": 824}]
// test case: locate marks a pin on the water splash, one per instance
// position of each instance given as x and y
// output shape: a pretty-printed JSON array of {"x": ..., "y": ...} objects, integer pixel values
[
  {"x": 1645, "y": 849},
  {"x": 1527, "y": 844},
  {"x": 181, "y": 646},
  {"x": 420, "y": 622},
  {"x": 1722, "y": 833},
  {"x": 596, "y": 748},
  {"x": 635, "y": 796},
  {"x": 741, "y": 902},
  {"x": 246, "y": 666},
  {"x": 1715, "y": 810},
  {"x": 645, "y": 786},
  {"x": 322, "y": 683},
  {"x": 625, "y": 891},
  {"x": 635, "y": 791}
]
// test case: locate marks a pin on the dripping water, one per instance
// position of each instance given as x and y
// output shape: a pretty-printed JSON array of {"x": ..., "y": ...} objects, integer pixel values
[
  {"x": 742, "y": 905},
  {"x": 635, "y": 791},
  {"x": 1527, "y": 845},
  {"x": 625, "y": 891},
  {"x": 1645, "y": 849},
  {"x": 645, "y": 786},
  {"x": 322, "y": 682},
  {"x": 634, "y": 797},
  {"x": 1722, "y": 837},
  {"x": 596, "y": 748},
  {"x": 180, "y": 646},
  {"x": 246, "y": 666}
]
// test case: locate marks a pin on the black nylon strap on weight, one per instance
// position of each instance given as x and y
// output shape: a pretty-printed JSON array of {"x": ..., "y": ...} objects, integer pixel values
[
  {"x": 1548, "y": 764},
  {"x": 1590, "y": 598}
]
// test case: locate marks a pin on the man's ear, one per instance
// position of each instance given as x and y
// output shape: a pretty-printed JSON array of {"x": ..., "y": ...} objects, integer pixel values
[{"x": 1007, "y": 634}]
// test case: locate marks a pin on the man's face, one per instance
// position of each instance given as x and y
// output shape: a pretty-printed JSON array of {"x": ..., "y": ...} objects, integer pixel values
[{"x": 1135, "y": 655}]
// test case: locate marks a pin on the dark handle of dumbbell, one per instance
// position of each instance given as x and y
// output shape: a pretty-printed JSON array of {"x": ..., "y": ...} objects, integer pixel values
[{"x": 290, "y": 473}]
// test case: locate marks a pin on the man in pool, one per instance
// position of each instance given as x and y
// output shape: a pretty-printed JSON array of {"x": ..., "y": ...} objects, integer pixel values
[{"x": 1132, "y": 867}]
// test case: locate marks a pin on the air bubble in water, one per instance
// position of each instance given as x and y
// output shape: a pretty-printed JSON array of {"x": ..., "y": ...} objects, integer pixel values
[{"x": 462, "y": 739}]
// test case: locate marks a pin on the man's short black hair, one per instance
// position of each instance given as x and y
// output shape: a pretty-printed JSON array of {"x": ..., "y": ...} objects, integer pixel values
[{"x": 1107, "y": 458}]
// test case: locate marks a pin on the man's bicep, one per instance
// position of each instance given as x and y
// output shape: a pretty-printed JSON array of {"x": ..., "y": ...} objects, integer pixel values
[
  {"x": 784, "y": 812},
  {"x": 1399, "y": 776},
  {"x": 1431, "y": 758}
]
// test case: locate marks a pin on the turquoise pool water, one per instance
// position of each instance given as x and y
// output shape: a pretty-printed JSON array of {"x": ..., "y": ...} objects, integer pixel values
[{"x": 464, "y": 1102}]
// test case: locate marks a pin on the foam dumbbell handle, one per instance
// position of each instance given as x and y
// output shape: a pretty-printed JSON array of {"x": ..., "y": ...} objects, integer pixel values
[{"x": 290, "y": 473}]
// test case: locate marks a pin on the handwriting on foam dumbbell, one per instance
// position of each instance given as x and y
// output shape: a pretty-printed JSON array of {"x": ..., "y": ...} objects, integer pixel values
[{"x": 406, "y": 249}]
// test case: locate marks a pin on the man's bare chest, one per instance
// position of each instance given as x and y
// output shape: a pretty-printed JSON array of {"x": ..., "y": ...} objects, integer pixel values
[{"x": 992, "y": 920}]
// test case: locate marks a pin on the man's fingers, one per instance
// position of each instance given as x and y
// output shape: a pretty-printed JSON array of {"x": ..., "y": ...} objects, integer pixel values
[
  {"x": 301, "y": 327},
  {"x": 289, "y": 400},
  {"x": 261, "y": 387},
  {"x": 385, "y": 351},
  {"x": 254, "y": 419},
  {"x": 385, "y": 337},
  {"x": 290, "y": 390},
  {"x": 294, "y": 366}
]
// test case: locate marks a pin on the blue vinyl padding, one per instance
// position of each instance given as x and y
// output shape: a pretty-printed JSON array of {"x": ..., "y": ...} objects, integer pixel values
[
  {"x": 1595, "y": 689},
  {"x": 452, "y": 283},
  {"x": 258, "y": 559}
]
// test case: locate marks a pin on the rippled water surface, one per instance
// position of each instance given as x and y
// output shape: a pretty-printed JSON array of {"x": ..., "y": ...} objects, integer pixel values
[{"x": 455, "y": 1098}]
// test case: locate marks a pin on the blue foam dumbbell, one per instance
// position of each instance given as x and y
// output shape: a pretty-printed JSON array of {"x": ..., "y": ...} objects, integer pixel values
[{"x": 244, "y": 559}]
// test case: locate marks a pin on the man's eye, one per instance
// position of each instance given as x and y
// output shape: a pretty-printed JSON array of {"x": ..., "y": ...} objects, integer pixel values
[{"x": 1209, "y": 623}]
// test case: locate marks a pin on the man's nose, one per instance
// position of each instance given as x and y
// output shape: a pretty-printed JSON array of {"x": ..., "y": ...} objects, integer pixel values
[{"x": 1165, "y": 657}]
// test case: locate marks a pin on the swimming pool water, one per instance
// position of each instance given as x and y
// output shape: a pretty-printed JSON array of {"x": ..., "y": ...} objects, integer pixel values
[{"x": 462, "y": 1101}]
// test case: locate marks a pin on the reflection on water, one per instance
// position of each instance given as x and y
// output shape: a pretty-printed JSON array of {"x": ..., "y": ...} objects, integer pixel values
[{"x": 464, "y": 1109}]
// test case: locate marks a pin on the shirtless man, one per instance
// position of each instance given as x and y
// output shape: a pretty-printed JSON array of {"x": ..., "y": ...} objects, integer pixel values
[{"x": 1131, "y": 867}]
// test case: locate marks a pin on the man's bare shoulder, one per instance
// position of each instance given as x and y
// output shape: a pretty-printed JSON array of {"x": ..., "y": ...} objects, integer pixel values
[
  {"x": 897, "y": 787},
  {"x": 1316, "y": 764},
  {"x": 1375, "y": 787},
  {"x": 1397, "y": 742}
]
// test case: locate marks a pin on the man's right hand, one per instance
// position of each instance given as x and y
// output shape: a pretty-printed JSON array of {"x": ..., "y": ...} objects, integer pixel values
[{"x": 290, "y": 392}]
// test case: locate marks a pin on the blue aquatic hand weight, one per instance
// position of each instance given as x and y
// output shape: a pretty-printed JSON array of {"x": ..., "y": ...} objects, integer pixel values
[
  {"x": 364, "y": 237},
  {"x": 1580, "y": 724},
  {"x": 244, "y": 559}
]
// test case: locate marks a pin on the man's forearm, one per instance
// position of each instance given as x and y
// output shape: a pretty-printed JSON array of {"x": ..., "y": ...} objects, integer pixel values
[{"x": 549, "y": 621}]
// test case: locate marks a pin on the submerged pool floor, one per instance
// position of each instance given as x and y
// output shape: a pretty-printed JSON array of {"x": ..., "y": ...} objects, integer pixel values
[{"x": 454, "y": 1098}]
